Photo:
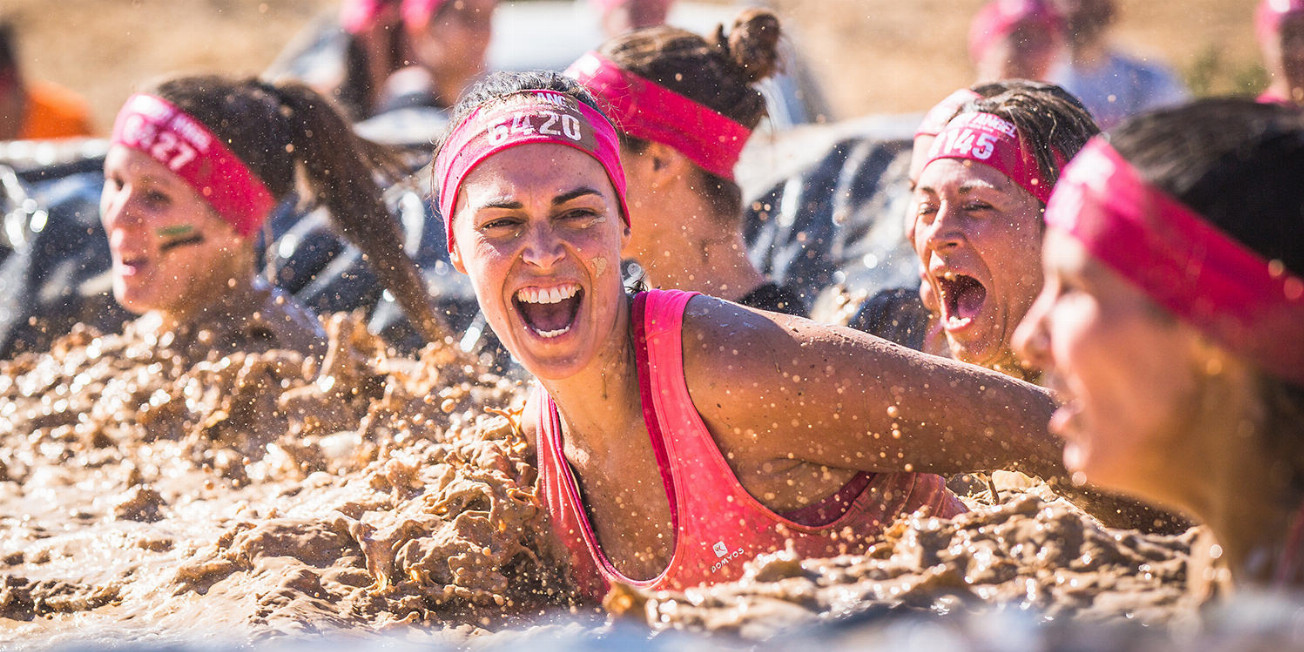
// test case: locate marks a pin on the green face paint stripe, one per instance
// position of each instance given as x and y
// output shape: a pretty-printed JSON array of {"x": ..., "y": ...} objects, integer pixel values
[{"x": 172, "y": 231}]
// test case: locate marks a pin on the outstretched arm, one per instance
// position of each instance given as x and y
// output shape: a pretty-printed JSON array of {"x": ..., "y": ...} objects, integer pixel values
[{"x": 777, "y": 387}]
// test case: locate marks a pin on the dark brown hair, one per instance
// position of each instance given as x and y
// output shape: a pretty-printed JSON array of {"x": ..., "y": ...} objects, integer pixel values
[
  {"x": 719, "y": 72},
  {"x": 1049, "y": 119},
  {"x": 278, "y": 130}
]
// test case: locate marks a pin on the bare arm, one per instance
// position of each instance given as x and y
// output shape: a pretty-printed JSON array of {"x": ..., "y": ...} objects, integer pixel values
[{"x": 776, "y": 387}]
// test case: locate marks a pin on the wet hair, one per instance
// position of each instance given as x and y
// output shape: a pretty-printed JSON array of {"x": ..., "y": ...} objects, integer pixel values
[
  {"x": 1049, "y": 119},
  {"x": 278, "y": 130},
  {"x": 719, "y": 72},
  {"x": 1237, "y": 163},
  {"x": 499, "y": 85}
]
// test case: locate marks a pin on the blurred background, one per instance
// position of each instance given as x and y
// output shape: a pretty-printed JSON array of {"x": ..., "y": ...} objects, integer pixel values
[{"x": 872, "y": 56}]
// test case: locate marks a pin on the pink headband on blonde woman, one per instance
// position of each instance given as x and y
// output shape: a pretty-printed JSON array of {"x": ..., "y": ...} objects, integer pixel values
[
  {"x": 995, "y": 142},
  {"x": 169, "y": 136},
  {"x": 1250, "y": 305},
  {"x": 937, "y": 117},
  {"x": 650, "y": 111},
  {"x": 520, "y": 119}
]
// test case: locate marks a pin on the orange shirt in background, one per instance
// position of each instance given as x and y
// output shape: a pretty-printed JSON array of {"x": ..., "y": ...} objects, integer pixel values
[{"x": 54, "y": 112}]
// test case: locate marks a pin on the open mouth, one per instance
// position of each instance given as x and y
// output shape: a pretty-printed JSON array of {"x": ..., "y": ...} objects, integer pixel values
[
  {"x": 962, "y": 298},
  {"x": 132, "y": 265},
  {"x": 549, "y": 312}
]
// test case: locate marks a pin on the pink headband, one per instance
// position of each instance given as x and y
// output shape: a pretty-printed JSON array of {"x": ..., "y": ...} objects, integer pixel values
[
  {"x": 169, "y": 136},
  {"x": 1268, "y": 17},
  {"x": 524, "y": 118},
  {"x": 994, "y": 142},
  {"x": 417, "y": 13},
  {"x": 997, "y": 19},
  {"x": 358, "y": 16},
  {"x": 650, "y": 111},
  {"x": 1250, "y": 305},
  {"x": 608, "y": 5},
  {"x": 937, "y": 117}
]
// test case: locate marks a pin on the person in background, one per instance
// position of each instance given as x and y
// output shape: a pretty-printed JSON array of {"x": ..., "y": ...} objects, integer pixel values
[
  {"x": 913, "y": 318},
  {"x": 1113, "y": 85},
  {"x": 680, "y": 138},
  {"x": 195, "y": 166},
  {"x": 1279, "y": 24},
  {"x": 1016, "y": 39},
  {"x": 33, "y": 109},
  {"x": 411, "y": 53},
  {"x": 447, "y": 43},
  {"x": 978, "y": 207},
  {"x": 1171, "y": 326},
  {"x": 374, "y": 52},
  {"x": 621, "y": 16}
]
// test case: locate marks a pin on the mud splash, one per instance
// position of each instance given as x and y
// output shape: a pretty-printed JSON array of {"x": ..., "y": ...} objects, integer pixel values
[
  {"x": 157, "y": 491},
  {"x": 1031, "y": 551},
  {"x": 150, "y": 492}
]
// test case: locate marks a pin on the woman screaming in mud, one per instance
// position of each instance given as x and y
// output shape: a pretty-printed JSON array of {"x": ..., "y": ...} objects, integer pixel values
[
  {"x": 680, "y": 435},
  {"x": 196, "y": 166}
]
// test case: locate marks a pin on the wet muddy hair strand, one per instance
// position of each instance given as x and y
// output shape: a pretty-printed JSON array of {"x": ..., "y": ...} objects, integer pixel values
[{"x": 280, "y": 129}]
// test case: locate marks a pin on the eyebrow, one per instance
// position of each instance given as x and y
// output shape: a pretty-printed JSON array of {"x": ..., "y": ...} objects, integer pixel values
[{"x": 574, "y": 194}]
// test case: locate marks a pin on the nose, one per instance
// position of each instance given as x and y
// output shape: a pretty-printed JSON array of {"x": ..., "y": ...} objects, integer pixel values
[
  {"x": 945, "y": 231},
  {"x": 1031, "y": 340},
  {"x": 117, "y": 210},
  {"x": 543, "y": 249}
]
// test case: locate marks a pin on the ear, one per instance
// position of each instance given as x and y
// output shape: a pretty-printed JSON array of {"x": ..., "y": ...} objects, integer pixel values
[
  {"x": 665, "y": 164},
  {"x": 455, "y": 257}
]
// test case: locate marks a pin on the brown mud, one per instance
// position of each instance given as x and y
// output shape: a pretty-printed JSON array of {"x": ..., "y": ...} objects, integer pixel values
[
  {"x": 150, "y": 493},
  {"x": 158, "y": 491}
]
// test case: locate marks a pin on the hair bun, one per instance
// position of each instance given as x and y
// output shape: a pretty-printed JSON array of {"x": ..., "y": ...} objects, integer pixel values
[{"x": 753, "y": 44}]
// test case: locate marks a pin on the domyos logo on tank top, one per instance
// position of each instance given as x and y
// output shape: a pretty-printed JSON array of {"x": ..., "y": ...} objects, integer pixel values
[{"x": 722, "y": 551}]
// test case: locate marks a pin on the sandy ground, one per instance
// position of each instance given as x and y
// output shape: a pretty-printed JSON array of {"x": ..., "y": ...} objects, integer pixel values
[{"x": 875, "y": 56}]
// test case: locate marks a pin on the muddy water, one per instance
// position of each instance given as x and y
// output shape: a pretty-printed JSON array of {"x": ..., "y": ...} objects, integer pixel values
[
  {"x": 152, "y": 493},
  {"x": 158, "y": 491}
]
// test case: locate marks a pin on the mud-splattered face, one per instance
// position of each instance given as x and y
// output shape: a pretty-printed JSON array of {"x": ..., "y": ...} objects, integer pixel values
[
  {"x": 978, "y": 236},
  {"x": 171, "y": 251},
  {"x": 537, "y": 228},
  {"x": 1125, "y": 371}
]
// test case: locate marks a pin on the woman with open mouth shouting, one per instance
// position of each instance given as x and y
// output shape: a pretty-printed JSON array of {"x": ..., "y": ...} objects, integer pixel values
[
  {"x": 195, "y": 167},
  {"x": 680, "y": 435},
  {"x": 978, "y": 224},
  {"x": 1171, "y": 324}
]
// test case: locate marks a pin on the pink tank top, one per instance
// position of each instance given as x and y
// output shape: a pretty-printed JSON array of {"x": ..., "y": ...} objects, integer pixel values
[{"x": 718, "y": 525}]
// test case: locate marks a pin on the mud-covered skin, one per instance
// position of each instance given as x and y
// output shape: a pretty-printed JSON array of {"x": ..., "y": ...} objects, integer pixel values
[
  {"x": 1033, "y": 551},
  {"x": 152, "y": 491}
]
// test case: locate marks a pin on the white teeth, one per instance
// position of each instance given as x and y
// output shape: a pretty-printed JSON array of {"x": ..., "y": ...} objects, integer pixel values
[
  {"x": 552, "y": 334},
  {"x": 549, "y": 295}
]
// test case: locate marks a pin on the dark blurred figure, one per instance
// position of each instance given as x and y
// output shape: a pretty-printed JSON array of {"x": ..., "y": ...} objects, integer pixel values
[
  {"x": 1016, "y": 39},
  {"x": 1279, "y": 25},
  {"x": 621, "y": 16},
  {"x": 405, "y": 53},
  {"x": 1111, "y": 84},
  {"x": 31, "y": 109}
]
